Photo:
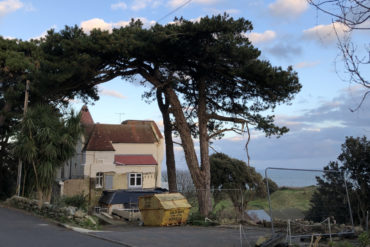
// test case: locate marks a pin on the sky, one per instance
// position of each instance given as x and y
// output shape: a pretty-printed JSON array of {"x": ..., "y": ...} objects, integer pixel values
[{"x": 288, "y": 32}]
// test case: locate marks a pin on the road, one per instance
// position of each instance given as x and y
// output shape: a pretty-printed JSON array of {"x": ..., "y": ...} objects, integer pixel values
[
  {"x": 18, "y": 229},
  {"x": 183, "y": 236}
]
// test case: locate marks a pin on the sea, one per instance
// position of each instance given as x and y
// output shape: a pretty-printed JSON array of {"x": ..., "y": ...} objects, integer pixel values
[
  {"x": 286, "y": 178},
  {"x": 292, "y": 178}
]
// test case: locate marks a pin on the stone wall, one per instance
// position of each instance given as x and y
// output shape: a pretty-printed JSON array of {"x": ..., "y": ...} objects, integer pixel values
[{"x": 67, "y": 214}]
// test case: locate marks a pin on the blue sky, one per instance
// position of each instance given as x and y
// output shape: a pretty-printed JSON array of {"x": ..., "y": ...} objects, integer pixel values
[{"x": 288, "y": 32}]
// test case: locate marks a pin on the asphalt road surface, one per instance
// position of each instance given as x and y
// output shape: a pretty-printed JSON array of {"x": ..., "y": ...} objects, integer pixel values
[{"x": 18, "y": 229}]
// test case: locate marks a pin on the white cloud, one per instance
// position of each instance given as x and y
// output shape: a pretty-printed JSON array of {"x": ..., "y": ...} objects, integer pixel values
[
  {"x": 326, "y": 34},
  {"x": 9, "y": 6},
  {"x": 177, "y": 3},
  {"x": 97, "y": 23},
  {"x": 8, "y": 37},
  {"x": 111, "y": 93},
  {"x": 43, "y": 34},
  {"x": 232, "y": 11},
  {"x": 288, "y": 8},
  {"x": 264, "y": 37},
  {"x": 119, "y": 5},
  {"x": 306, "y": 64},
  {"x": 140, "y": 4}
]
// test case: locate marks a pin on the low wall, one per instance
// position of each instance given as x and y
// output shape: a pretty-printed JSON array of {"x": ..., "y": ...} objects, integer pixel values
[
  {"x": 72, "y": 187},
  {"x": 67, "y": 214}
]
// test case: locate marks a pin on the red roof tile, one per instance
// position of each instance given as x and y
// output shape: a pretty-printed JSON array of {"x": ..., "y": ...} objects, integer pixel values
[
  {"x": 99, "y": 137},
  {"x": 86, "y": 117},
  {"x": 103, "y": 135},
  {"x": 134, "y": 160},
  {"x": 145, "y": 122}
]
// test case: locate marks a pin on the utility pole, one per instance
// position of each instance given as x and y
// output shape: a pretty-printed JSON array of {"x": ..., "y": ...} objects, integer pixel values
[
  {"x": 18, "y": 190},
  {"x": 120, "y": 115}
]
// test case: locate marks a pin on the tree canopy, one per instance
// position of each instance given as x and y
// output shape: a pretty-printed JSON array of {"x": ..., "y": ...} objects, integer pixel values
[
  {"x": 211, "y": 76},
  {"x": 330, "y": 198},
  {"x": 45, "y": 141}
]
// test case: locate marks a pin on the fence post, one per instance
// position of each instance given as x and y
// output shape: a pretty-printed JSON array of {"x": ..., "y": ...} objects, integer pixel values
[
  {"x": 289, "y": 233},
  {"x": 269, "y": 199},
  {"x": 349, "y": 202},
  {"x": 241, "y": 237},
  {"x": 367, "y": 221},
  {"x": 331, "y": 240}
]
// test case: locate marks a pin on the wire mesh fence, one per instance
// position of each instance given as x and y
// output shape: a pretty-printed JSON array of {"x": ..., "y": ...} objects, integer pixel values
[
  {"x": 309, "y": 202},
  {"x": 228, "y": 212},
  {"x": 294, "y": 203}
]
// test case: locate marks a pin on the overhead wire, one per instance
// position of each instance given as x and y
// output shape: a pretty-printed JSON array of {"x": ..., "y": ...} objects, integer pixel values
[{"x": 174, "y": 10}]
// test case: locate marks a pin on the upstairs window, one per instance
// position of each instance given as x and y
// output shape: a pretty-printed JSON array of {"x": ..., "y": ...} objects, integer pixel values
[
  {"x": 135, "y": 180},
  {"x": 99, "y": 180}
]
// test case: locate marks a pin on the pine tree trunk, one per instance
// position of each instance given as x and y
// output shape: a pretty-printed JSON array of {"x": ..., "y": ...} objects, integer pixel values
[
  {"x": 170, "y": 156},
  {"x": 201, "y": 178},
  {"x": 40, "y": 198},
  {"x": 206, "y": 203},
  {"x": 6, "y": 109}
]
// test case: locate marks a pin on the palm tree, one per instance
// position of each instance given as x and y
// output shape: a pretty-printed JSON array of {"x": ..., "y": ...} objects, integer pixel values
[{"x": 46, "y": 140}]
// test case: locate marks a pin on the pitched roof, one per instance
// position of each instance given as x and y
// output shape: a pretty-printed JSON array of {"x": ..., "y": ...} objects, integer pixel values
[
  {"x": 145, "y": 122},
  {"x": 103, "y": 135},
  {"x": 134, "y": 160},
  {"x": 99, "y": 137},
  {"x": 86, "y": 117}
]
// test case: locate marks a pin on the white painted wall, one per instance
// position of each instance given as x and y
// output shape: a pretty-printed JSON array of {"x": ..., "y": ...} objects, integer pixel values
[{"x": 87, "y": 164}]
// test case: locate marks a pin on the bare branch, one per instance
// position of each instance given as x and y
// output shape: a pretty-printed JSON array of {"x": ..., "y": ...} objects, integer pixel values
[
  {"x": 227, "y": 119},
  {"x": 236, "y": 130},
  {"x": 178, "y": 143},
  {"x": 246, "y": 145}
]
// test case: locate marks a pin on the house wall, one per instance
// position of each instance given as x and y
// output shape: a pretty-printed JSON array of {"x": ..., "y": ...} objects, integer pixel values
[
  {"x": 74, "y": 167},
  {"x": 72, "y": 187},
  {"x": 103, "y": 162},
  {"x": 155, "y": 149},
  {"x": 82, "y": 168}
]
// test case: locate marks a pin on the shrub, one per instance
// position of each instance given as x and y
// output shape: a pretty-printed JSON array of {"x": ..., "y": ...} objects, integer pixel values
[
  {"x": 272, "y": 185},
  {"x": 78, "y": 201},
  {"x": 364, "y": 239}
]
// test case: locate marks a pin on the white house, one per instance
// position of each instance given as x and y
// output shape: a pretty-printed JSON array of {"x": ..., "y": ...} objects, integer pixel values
[{"x": 114, "y": 156}]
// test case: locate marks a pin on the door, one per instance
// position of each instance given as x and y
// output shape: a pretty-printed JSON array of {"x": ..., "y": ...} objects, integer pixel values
[{"x": 108, "y": 182}]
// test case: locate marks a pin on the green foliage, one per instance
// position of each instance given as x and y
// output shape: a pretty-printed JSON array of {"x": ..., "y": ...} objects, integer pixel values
[
  {"x": 16, "y": 65},
  {"x": 341, "y": 244},
  {"x": 46, "y": 140},
  {"x": 330, "y": 198},
  {"x": 209, "y": 66},
  {"x": 364, "y": 239},
  {"x": 272, "y": 185},
  {"x": 198, "y": 220},
  {"x": 239, "y": 181},
  {"x": 79, "y": 201}
]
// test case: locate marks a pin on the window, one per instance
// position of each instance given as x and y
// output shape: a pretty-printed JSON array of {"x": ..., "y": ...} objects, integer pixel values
[
  {"x": 135, "y": 180},
  {"x": 99, "y": 180}
]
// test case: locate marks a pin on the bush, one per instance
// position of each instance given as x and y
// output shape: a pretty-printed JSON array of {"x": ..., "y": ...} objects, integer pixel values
[
  {"x": 364, "y": 239},
  {"x": 197, "y": 220},
  {"x": 272, "y": 185},
  {"x": 78, "y": 201}
]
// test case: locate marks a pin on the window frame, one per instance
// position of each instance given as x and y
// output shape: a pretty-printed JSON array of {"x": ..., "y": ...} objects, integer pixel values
[
  {"x": 135, "y": 176},
  {"x": 99, "y": 182}
]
